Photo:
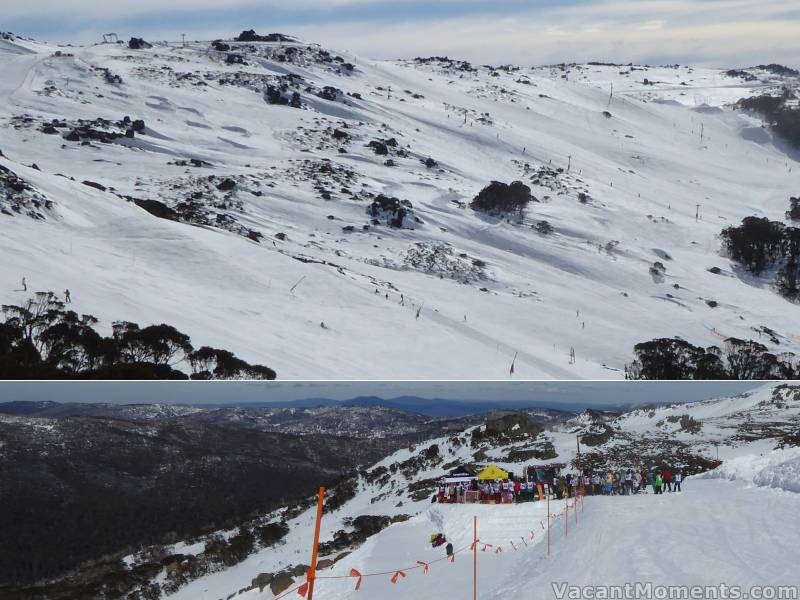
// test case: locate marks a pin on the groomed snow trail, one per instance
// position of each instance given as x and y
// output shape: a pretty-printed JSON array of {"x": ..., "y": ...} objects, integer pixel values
[{"x": 711, "y": 533}]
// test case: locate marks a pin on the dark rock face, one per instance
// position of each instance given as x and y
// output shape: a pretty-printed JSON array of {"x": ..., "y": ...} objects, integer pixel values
[
  {"x": 95, "y": 185},
  {"x": 251, "y": 36},
  {"x": 226, "y": 185},
  {"x": 513, "y": 426},
  {"x": 329, "y": 93},
  {"x": 157, "y": 209},
  {"x": 430, "y": 163},
  {"x": 391, "y": 211},
  {"x": 138, "y": 44},
  {"x": 220, "y": 46},
  {"x": 379, "y": 148}
]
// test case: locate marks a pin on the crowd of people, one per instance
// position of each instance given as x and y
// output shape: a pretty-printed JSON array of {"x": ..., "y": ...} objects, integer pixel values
[
  {"x": 633, "y": 481},
  {"x": 613, "y": 482}
]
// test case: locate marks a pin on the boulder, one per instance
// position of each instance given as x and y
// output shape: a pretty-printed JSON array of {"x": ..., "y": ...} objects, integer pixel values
[
  {"x": 262, "y": 580},
  {"x": 138, "y": 44},
  {"x": 280, "y": 583},
  {"x": 227, "y": 185},
  {"x": 95, "y": 185}
]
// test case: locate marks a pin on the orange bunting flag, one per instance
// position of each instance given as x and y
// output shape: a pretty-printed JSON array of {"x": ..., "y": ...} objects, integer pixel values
[
  {"x": 485, "y": 546},
  {"x": 473, "y": 544},
  {"x": 532, "y": 535},
  {"x": 499, "y": 550},
  {"x": 542, "y": 524},
  {"x": 424, "y": 566},
  {"x": 524, "y": 542},
  {"x": 303, "y": 590},
  {"x": 453, "y": 557},
  {"x": 512, "y": 545},
  {"x": 354, "y": 573},
  {"x": 395, "y": 576}
]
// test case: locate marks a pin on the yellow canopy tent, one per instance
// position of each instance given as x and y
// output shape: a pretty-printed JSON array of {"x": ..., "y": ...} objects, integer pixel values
[{"x": 492, "y": 472}]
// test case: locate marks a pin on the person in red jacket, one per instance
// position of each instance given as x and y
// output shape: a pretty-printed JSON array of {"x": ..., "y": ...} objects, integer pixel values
[
  {"x": 517, "y": 488},
  {"x": 667, "y": 476}
]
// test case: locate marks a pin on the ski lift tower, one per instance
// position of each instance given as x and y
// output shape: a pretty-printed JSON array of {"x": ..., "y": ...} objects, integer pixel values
[{"x": 110, "y": 38}]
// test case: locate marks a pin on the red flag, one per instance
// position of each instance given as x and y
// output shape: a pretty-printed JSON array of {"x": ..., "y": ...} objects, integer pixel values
[
  {"x": 396, "y": 575},
  {"x": 424, "y": 566},
  {"x": 303, "y": 590},
  {"x": 354, "y": 573}
]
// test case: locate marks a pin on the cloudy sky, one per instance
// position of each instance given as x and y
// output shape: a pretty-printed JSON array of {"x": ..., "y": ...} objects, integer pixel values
[
  {"x": 532, "y": 393},
  {"x": 722, "y": 33}
]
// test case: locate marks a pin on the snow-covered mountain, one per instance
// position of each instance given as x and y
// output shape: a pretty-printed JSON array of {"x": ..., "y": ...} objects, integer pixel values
[
  {"x": 308, "y": 209},
  {"x": 382, "y": 516}
]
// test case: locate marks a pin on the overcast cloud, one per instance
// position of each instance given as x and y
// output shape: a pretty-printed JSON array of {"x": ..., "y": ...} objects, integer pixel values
[{"x": 710, "y": 32}]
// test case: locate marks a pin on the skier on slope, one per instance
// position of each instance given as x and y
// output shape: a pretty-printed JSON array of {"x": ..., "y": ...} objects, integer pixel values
[{"x": 67, "y": 297}]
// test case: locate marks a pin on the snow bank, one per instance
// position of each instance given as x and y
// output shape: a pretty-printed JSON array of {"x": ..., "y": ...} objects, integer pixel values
[{"x": 778, "y": 468}]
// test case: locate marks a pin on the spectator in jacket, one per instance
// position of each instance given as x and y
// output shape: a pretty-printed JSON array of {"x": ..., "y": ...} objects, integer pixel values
[
  {"x": 668, "y": 479},
  {"x": 676, "y": 481}
]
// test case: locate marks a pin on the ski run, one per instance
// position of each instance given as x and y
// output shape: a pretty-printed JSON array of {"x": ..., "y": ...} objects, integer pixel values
[{"x": 284, "y": 266}]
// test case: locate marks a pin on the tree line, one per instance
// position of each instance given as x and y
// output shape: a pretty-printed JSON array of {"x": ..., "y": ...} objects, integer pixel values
[{"x": 41, "y": 339}]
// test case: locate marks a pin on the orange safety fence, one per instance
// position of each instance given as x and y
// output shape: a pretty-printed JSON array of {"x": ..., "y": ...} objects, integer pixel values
[{"x": 397, "y": 574}]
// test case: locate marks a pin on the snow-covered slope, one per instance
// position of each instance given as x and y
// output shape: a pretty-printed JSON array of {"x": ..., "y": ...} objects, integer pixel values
[
  {"x": 618, "y": 179},
  {"x": 399, "y": 488}
]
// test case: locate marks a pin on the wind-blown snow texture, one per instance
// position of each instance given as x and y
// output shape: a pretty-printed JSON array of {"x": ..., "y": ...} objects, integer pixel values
[
  {"x": 492, "y": 290},
  {"x": 715, "y": 531}
]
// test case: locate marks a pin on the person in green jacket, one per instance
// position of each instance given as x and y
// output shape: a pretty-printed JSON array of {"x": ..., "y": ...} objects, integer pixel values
[{"x": 659, "y": 483}]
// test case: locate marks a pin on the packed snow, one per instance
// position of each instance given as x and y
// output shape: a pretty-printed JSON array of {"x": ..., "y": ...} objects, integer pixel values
[
  {"x": 618, "y": 178},
  {"x": 733, "y": 525}
]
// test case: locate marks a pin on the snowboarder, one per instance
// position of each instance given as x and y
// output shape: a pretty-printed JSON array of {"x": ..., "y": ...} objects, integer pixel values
[
  {"x": 24, "y": 285},
  {"x": 67, "y": 297}
]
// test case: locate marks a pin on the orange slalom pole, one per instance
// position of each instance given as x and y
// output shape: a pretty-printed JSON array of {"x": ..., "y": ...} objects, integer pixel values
[
  {"x": 313, "y": 568},
  {"x": 548, "y": 525},
  {"x": 475, "y": 557}
]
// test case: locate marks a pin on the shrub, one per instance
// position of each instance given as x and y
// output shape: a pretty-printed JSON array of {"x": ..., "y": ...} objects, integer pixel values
[
  {"x": 501, "y": 199},
  {"x": 756, "y": 243}
]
